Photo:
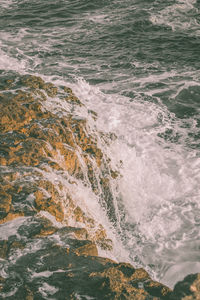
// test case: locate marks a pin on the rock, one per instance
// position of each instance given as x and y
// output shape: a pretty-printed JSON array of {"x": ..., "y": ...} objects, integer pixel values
[
  {"x": 3, "y": 249},
  {"x": 45, "y": 228},
  {"x": 7, "y": 246},
  {"x": 87, "y": 250},
  {"x": 1, "y": 282},
  {"x": 5, "y": 203},
  {"x": 122, "y": 280},
  {"x": 34, "y": 137},
  {"x": 11, "y": 216},
  {"x": 75, "y": 232},
  {"x": 188, "y": 289},
  {"x": 52, "y": 250},
  {"x": 71, "y": 273},
  {"x": 157, "y": 289},
  {"x": 114, "y": 174},
  {"x": 50, "y": 204}
]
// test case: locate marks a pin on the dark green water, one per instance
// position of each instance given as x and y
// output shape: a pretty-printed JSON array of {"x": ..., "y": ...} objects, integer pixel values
[{"x": 136, "y": 63}]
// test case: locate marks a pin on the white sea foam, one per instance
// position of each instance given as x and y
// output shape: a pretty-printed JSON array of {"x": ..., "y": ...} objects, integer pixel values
[
  {"x": 10, "y": 228},
  {"x": 9, "y": 63},
  {"x": 42, "y": 274},
  {"x": 179, "y": 271},
  {"x": 158, "y": 177},
  {"x": 158, "y": 180},
  {"x": 179, "y": 16},
  {"x": 47, "y": 290},
  {"x": 156, "y": 199},
  {"x": 16, "y": 51},
  {"x": 80, "y": 297},
  {"x": 5, "y": 4},
  {"x": 98, "y": 18},
  {"x": 159, "y": 183}
]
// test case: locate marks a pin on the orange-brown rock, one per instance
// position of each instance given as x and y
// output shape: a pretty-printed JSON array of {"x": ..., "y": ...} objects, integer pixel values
[
  {"x": 5, "y": 202},
  {"x": 37, "y": 141},
  {"x": 80, "y": 233},
  {"x": 1, "y": 282},
  {"x": 36, "y": 83},
  {"x": 75, "y": 232},
  {"x": 11, "y": 216},
  {"x": 50, "y": 204},
  {"x": 45, "y": 152},
  {"x": 3, "y": 249},
  {"x": 46, "y": 231},
  {"x": 123, "y": 279},
  {"x": 114, "y": 174},
  {"x": 89, "y": 249},
  {"x": 73, "y": 98},
  {"x": 41, "y": 148}
]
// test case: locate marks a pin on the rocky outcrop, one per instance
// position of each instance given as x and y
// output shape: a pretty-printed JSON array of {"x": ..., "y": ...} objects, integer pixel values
[
  {"x": 48, "y": 240},
  {"x": 188, "y": 289},
  {"x": 39, "y": 143},
  {"x": 70, "y": 269}
]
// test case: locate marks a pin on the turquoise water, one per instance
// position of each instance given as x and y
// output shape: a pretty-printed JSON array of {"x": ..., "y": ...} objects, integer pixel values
[{"x": 136, "y": 63}]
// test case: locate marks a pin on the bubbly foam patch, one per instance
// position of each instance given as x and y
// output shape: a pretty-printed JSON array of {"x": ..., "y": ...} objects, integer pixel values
[
  {"x": 10, "y": 228},
  {"x": 47, "y": 290},
  {"x": 179, "y": 16},
  {"x": 9, "y": 63},
  {"x": 159, "y": 182}
]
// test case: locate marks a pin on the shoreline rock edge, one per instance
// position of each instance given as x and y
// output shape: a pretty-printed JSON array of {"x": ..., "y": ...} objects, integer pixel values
[{"x": 48, "y": 243}]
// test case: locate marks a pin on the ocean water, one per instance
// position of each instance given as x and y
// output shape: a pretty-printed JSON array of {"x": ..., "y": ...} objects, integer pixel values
[{"x": 136, "y": 64}]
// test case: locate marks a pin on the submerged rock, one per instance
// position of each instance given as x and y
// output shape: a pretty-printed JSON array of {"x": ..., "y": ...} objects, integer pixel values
[{"x": 48, "y": 239}]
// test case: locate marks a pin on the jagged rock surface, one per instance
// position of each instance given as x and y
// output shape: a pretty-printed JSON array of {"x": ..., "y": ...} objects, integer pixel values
[
  {"x": 36, "y": 143},
  {"x": 42, "y": 255}
]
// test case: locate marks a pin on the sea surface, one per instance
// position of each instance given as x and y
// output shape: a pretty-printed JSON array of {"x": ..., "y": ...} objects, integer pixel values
[{"x": 137, "y": 65}]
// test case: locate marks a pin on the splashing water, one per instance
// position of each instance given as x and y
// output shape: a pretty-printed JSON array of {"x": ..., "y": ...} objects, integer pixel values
[
  {"x": 138, "y": 70},
  {"x": 181, "y": 16},
  {"x": 159, "y": 188}
]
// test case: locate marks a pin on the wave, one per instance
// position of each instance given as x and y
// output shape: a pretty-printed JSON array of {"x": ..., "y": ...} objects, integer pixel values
[
  {"x": 158, "y": 185},
  {"x": 181, "y": 16},
  {"x": 146, "y": 133},
  {"x": 71, "y": 183}
]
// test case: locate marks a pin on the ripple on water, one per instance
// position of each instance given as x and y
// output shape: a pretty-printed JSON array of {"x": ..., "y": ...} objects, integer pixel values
[{"x": 180, "y": 16}]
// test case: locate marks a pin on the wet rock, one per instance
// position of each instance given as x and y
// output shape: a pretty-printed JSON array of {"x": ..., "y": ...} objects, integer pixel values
[
  {"x": 5, "y": 203},
  {"x": 114, "y": 174},
  {"x": 3, "y": 249},
  {"x": 157, "y": 289},
  {"x": 78, "y": 233},
  {"x": 45, "y": 150},
  {"x": 8, "y": 246},
  {"x": 11, "y": 216},
  {"x": 188, "y": 289},
  {"x": 87, "y": 250},
  {"x": 38, "y": 138},
  {"x": 44, "y": 228},
  {"x": 63, "y": 274},
  {"x": 1, "y": 282},
  {"x": 73, "y": 98},
  {"x": 50, "y": 204},
  {"x": 123, "y": 281}
]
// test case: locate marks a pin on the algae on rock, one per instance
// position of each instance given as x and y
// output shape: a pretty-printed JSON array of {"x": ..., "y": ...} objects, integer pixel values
[{"x": 54, "y": 241}]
